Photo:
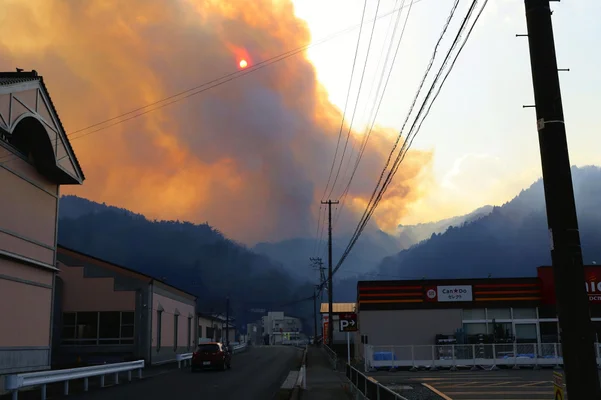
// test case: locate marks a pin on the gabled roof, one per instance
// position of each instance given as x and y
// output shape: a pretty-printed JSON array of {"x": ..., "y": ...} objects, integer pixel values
[{"x": 16, "y": 82}]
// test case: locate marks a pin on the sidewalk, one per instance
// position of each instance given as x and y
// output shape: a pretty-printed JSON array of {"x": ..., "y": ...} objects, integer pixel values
[{"x": 323, "y": 383}]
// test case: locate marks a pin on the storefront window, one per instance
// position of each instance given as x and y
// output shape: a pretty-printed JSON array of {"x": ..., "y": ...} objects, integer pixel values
[
  {"x": 548, "y": 332},
  {"x": 501, "y": 331},
  {"x": 525, "y": 333},
  {"x": 474, "y": 314},
  {"x": 474, "y": 329},
  {"x": 524, "y": 313},
  {"x": 498, "y": 313}
]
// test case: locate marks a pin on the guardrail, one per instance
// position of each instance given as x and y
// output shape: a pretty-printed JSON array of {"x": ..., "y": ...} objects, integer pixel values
[
  {"x": 13, "y": 383},
  {"x": 366, "y": 387},
  {"x": 185, "y": 359},
  {"x": 331, "y": 355},
  {"x": 470, "y": 355}
]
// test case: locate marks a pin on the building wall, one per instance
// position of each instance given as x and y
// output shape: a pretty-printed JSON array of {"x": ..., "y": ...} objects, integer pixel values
[
  {"x": 28, "y": 217},
  {"x": 170, "y": 302},
  {"x": 408, "y": 327},
  {"x": 25, "y": 306},
  {"x": 92, "y": 293},
  {"x": 28, "y": 221}
]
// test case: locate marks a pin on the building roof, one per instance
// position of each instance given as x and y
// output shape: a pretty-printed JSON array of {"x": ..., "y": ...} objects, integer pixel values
[
  {"x": 338, "y": 308},
  {"x": 19, "y": 77},
  {"x": 149, "y": 277}
]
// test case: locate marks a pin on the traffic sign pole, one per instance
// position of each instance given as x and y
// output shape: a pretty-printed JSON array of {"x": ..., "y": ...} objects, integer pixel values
[{"x": 348, "y": 347}]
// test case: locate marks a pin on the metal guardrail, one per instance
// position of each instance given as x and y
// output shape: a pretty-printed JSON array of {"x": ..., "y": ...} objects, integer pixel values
[
  {"x": 366, "y": 387},
  {"x": 452, "y": 356},
  {"x": 185, "y": 359},
  {"x": 13, "y": 383},
  {"x": 331, "y": 355}
]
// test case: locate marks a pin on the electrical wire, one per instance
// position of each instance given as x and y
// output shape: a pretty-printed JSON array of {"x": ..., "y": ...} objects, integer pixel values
[
  {"x": 400, "y": 157},
  {"x": 348, "y": 95},
  {"x": 376, "y": 110},
  {"x": 348, "y": 135}
]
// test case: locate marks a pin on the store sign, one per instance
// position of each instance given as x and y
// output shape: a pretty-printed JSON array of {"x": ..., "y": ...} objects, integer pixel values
[
  {"x": 592, "y": 282},
  {"x": 593, "y": 287},
  {"x": 453, "y": 293}
]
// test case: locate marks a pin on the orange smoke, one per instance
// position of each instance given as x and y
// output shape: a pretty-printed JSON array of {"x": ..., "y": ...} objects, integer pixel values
[{"x": 251, "y": 156}]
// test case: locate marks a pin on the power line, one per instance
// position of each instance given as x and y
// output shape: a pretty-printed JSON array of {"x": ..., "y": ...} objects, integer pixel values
[
  {"x": 348, "y": 135},
  {"x": 375, "y": 110},
  {"x": 369, "y": 211},
  {"x": 348, "y": 95}
]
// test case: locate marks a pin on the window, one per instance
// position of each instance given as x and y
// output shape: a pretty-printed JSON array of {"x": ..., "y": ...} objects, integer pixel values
[
  {"x": 127, "y": 327},
  {"x": 175, "y": 331},
  {"x": 98, "y": 328},
  {"x": 109, "y": 327},
  {"x": 474, "y": 314},
  {"x": 474, "y": 329},
  {"x": 524, "y": 313},
  {"x": 208, "y": 348},
  {"x": 189, "y": 332},
  {"x": 87, "y": 327},
  {"x": 69, "y": 333},
  {"x": 498, "y": 313},
  {"x": 159, "y": 325}
]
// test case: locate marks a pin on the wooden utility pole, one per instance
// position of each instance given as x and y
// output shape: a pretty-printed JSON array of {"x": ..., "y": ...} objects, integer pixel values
[
  {"x": 577, "y": 334},
  {"x": 330, "y": 286}
]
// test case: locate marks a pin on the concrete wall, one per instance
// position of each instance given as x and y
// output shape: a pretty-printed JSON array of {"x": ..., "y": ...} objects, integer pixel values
[{"x": 171, "y": 302}]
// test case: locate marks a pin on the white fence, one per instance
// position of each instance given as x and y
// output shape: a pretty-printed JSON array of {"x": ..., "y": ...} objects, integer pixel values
[
  {"x": 15, "y": 382},
  {"x": 186, "y": 358},
  {"x": 474, "y": 355}
]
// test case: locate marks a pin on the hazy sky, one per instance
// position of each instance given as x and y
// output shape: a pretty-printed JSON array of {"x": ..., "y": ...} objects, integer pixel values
[
  {"x": 485, "y": 144},
  {"x": 252, "y": 156}
]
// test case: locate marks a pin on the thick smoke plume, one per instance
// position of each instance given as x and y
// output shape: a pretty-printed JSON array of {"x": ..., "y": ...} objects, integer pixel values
[{"x": 251, "y": 156}]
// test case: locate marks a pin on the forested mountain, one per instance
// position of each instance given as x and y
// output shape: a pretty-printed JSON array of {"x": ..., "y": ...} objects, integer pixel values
[
  {"x": 196, "y": 258},
  {"x": 511, "y": 241}
]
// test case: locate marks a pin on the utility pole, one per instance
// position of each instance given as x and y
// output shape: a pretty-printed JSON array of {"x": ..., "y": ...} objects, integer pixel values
[
  {"x": 330, "y": 286},
  {"x": 227, "y": 321},
  {"x": 315, "y": 313},
  {"x": 577, "y": 334}
]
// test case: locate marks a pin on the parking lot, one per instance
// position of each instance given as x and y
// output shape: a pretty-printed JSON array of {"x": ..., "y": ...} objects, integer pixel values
[{"x": 506, "y": 384}]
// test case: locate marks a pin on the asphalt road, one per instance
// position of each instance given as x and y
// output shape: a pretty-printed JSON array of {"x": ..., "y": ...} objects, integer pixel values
[
  {"x": 255, "y": 374},
  {"x": 505, "y": 384}
]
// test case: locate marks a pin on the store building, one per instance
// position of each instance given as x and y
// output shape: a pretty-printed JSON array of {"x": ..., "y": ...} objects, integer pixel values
[
  {"x": 105, "y": 312},
  {"x": 466, "y": 311},
  {"x": 36, "y": 159}
]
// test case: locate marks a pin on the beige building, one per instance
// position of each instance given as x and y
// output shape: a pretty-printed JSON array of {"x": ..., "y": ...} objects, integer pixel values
[
  {"x": 35, "y": 160},
  {"x": 110, "y": 313},
  {"x": 211, "y": 327}
]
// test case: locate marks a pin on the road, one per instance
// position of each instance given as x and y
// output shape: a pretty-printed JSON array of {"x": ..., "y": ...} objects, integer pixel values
[
  {"x": 256, "y": 374},
  {"x": 505, "y": 384}
]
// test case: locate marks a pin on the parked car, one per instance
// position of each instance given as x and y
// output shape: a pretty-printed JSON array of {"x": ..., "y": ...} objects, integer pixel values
[{"x": 212, "y": 355}]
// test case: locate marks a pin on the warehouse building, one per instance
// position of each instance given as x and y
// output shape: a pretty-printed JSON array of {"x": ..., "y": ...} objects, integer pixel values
[
  {"x": 106, "y": 312},
  {"x": 466, "y": 311}
]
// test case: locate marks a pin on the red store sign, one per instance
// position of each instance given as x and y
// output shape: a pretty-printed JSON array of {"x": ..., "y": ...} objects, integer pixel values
[{"x": 592, "y": 282}]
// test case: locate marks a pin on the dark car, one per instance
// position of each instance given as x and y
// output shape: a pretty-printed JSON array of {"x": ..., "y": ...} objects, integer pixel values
[{"x": 213, "y": 355}]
